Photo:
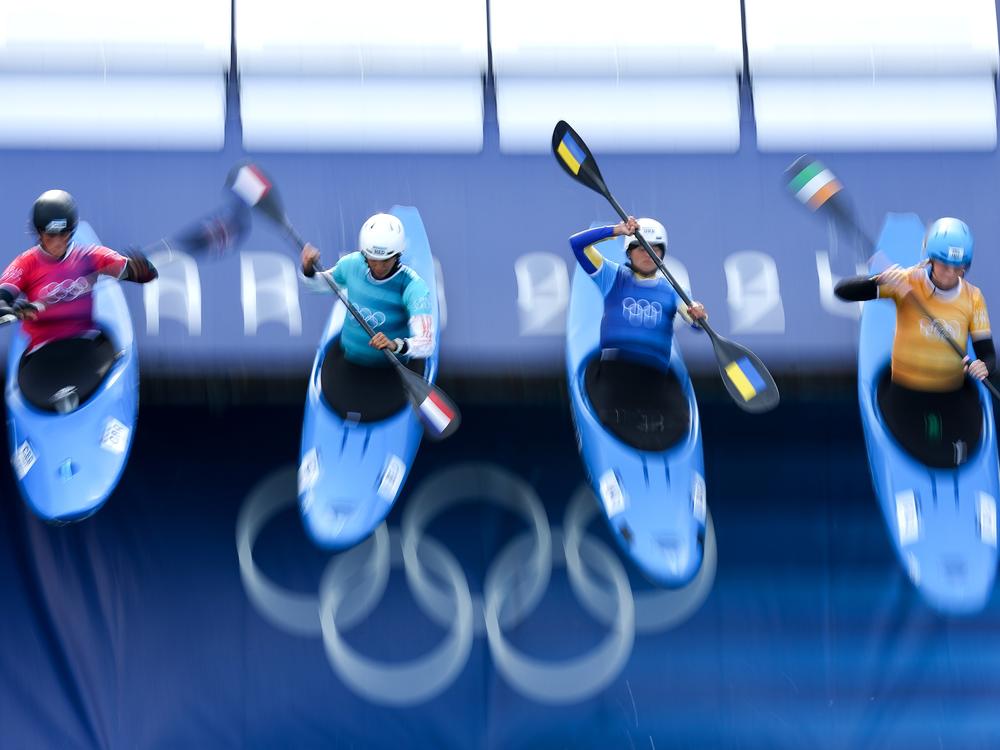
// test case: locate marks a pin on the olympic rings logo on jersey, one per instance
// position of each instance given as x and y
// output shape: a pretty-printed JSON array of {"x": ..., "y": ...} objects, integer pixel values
[
  {"x": 641, "y": 312},
  {"x": 928, "y": 329},
  {"x": 374, "y": 318},
  {"x": 66, "y": 290},
  {"x": 354, "y": 582}
]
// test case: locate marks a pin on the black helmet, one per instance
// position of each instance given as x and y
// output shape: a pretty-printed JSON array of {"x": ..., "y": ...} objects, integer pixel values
[{"x": 54, "y": 213}]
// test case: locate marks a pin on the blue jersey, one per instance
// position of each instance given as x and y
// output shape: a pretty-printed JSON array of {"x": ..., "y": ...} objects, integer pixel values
[
  {"x": 638, "y": 312},
  {"x": 386, "y": 305}
]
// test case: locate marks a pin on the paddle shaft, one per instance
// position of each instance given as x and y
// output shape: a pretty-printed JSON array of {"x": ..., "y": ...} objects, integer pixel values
[{"x": 848, "y": 218}]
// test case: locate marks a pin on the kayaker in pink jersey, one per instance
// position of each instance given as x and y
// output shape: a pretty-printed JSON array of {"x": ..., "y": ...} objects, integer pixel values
[{"x": 59, "y": 274}]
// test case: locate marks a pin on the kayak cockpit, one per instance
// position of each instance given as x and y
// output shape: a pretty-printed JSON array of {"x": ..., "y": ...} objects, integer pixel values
[
  {"x": 643, "y": 406},
  {"x": 62, "y": 375},
  {"x": 360, "y": 393},
  {"x": 940, "y": 430}
]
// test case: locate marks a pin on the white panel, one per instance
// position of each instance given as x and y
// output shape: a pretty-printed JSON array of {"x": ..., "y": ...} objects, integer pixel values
[
  {"x": 143, "y": 112},
  {"x": 683, "y": 114},
  {"x": 625, "y": 38},
  {"x": 175, "y": 294},
  {"x": 542, "y": 294},
  {"x": 754, "y": 293},
  {"x": 874, "y": 37},
  {"x": 399, "y": 114},
  {"x": 115, "y": 35},
  {"x": 376, "y": 37},
  {"x": 859, "y": 114},
  {"x": 269, "y": 292}
]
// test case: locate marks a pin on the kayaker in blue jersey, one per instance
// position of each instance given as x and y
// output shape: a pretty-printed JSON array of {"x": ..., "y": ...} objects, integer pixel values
[
  {"x": 639, "y": 304},
  {"x": 391, "y": 296},
  {"x": 630, "y": 385}
]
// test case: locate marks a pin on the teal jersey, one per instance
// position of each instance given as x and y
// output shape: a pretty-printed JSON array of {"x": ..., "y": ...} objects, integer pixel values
[{"x": 386, "y": 305}]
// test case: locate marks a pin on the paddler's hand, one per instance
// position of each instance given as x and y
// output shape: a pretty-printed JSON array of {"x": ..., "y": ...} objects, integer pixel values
[
  {"x": 895, "y": 279},
  {"x": 25, "y": 310},
  {"x": 310, "y": 257},
  {"x": 696, "y": 312},
  {"x": 381, "y": 341},
  {"x": 629, "y": 226},
  {"x": 976, "y": 368}
]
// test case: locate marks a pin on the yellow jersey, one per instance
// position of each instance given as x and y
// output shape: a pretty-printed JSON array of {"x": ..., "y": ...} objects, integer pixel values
[{"x": 921, "y": 359}]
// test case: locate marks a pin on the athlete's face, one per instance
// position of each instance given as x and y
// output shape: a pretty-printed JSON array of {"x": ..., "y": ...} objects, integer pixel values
[
  {"x": 381, "y": 268},
  {"x": 54, "y": 244},
  {"x": 945, "y": 276},
  {"x": 640, "y": 260}
]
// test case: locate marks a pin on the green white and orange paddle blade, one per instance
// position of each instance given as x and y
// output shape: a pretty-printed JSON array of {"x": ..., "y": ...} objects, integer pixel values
[
  {"x": 746, "y": 378},
  {"x": 573, "y": 155},
  {"x": 811, "y": 183}
]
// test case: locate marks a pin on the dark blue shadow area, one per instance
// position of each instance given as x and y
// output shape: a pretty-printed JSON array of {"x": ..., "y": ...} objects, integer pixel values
[{"x": 143, "y": 626}]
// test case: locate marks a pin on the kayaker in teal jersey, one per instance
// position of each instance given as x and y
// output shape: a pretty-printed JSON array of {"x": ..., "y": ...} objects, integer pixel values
[
  {"x": 639, "y": 304},
  {"x": 390, "y": 295}
]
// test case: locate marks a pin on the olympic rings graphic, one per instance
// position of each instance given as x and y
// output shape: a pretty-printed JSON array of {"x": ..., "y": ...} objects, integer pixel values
[
  {"x": 354, "y": 582},
  {"x": 66, "y": 290},
  {"x": 641, "y": 312},
  {"x": 374, "y": 318}
]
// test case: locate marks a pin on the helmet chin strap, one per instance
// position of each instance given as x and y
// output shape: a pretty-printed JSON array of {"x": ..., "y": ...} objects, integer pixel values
[{"x": 390, "y": 272}]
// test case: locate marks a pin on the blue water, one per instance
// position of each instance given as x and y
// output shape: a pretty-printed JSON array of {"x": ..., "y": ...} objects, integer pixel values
[{"x": 134, "y": 629}]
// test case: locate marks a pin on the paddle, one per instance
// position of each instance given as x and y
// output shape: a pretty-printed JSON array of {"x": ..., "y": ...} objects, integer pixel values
[
  {"x": 438, "y": 413},
  {"x": 744, "y": 375},
  {"x": 817, "y": 188},
  {"x": 11, "y": 317}
]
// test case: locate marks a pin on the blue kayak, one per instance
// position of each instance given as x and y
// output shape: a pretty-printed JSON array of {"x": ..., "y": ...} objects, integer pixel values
[
  {"x": 351, "y": 468},
  {"x": 68, "y": 457},
  {"x": 941, "y": 521},
  {"x": 653, "y": 495}
]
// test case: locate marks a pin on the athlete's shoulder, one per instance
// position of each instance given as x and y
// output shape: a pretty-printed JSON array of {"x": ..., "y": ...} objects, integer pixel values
[
  {"x": 409, "y": 274},
  {"x": 351, "y": 260},
  {"x": 89, "y": 249},
  {"x": 973, "y": 291}
]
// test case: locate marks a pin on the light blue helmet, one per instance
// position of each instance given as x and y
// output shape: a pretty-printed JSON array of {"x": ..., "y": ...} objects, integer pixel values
[{"x": 949, "y": 241}]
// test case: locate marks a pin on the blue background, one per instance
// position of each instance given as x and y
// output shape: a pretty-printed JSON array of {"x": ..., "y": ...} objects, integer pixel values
[{"x": 482, "y": 212}]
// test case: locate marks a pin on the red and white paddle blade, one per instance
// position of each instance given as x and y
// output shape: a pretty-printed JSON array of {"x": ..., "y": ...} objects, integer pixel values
[
  {"x": 250, "y": 183},
  {"x": 438, "y": 413}
]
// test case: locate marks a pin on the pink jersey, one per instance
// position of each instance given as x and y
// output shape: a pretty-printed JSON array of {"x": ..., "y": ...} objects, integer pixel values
[{"x": 63, "y": 285}]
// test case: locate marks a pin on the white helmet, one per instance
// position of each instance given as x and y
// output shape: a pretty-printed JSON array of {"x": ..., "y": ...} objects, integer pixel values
[
  {"x": 654, "y": 232},
  {"x": 382, "y": 237}
]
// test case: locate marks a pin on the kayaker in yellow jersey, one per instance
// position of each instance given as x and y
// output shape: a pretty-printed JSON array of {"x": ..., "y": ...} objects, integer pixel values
[{"x": 928, "y": 404}]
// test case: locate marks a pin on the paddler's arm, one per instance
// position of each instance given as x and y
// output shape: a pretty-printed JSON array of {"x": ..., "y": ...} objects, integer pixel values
[
  {"x": 986, "y": 358},
  {"x": 309, "y": 259},
  {"x": 588, "y": 256},
  {"x": 857, "y": 288}
]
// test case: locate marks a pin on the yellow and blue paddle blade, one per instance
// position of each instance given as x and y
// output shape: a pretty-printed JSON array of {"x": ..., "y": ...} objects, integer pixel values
[
  {"x": 811, "y": 182},
  {"x": 745, "y": 377},
  {"x": 573, "y": 155}
]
